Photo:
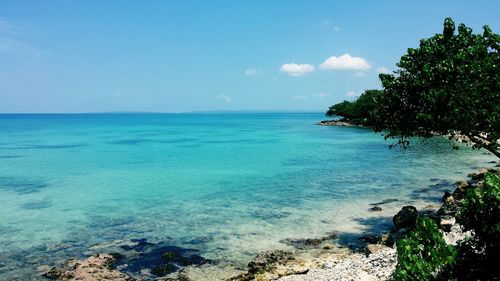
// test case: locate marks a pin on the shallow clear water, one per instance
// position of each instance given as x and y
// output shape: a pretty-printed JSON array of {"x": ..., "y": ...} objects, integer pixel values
[{"x": 227, "y": 184}]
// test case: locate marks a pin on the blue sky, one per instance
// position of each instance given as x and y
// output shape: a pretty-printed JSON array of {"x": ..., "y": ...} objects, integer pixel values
[{"x": 178, "y": 56}]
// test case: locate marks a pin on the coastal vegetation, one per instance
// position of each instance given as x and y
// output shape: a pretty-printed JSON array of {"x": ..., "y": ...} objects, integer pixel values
[
  {"x": 449, "y": 85},
  {"x": 423, "y": 252},
  {"x": 359, "y": 111}
]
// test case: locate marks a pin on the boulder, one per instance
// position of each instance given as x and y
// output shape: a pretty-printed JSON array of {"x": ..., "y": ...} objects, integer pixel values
[
  {"x": 96, "y": 267},
  {"x": 406, "y": 218},
  {"x": 448, "y": 197},
  {"x": 479, "y": 174},
  {"x": 265, "y": 261},
  {"x": 373, "y": 248},
  {"x": 375, "y": 209}
]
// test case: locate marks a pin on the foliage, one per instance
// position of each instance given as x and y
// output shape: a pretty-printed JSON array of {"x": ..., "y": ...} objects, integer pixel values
[
  {"x": 423, "y": 252},
  {"x": 480, "y": 212},
  {"x": 449, "y": 85},
  {"x": 358, "y": 111}
]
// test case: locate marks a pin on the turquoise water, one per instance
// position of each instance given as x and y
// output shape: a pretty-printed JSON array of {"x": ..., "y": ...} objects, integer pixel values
[{"x": 229, "y": 185}]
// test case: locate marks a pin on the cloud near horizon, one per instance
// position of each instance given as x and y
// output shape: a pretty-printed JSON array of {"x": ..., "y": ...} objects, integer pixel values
[
  {"x": 345, "y": 62},
  {"x": 352, "y": 94},
  {"x": 224, "y": 98},
  {"x": 322, "y": 95},
  {"x": 294, "y": 69}
]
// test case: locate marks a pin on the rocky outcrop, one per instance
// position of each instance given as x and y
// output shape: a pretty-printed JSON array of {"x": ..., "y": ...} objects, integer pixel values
[
  {"x": 337, "y": 123},
  {"x": 93, "y": 268},
  {"x": 406, "y": 218}
]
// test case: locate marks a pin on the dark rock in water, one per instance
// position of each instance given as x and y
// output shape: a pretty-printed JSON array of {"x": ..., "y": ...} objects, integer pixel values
[
  {"x": 386, "y": 201},
  {"x": 137, "y": 257},
  {"x": 448, "y": 197},
  {"x": 375, "y": 209},
  {"x": 308, "y": 243},
  {"x": 369, "y": 239},
  {"x": 406, "y": 218}
]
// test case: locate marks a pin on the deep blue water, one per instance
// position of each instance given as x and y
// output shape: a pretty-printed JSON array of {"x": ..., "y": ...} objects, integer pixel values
[{"x": 229, "y": 185}]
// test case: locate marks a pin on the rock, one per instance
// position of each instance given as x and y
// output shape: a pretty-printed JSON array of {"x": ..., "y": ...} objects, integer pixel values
[
  {"x": 446, "y": 224},
  {"x": 448, "y": 198},
  {"x": 406, "y": 218},
  {"x": 461, "y": 189},
  {"x": 448, "y": 210},
  {"x": 309, "y": 243},
  {"x": 369, "y": 238},
  {"x": 375, "y": 209},
  {"x": 93, "y": 268},
  {"x": 479, "y": 174},
  {"x": 265, "y": 261},
  {"x": 373, "y": 248},
  {"x": 387, "y": 239},
  {"x": 328, "y": 265},
  {"x": 385, "y": 201},
  {"x": 337, "y": 123}
]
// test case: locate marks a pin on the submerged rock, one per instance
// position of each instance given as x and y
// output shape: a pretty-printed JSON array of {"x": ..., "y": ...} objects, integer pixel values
[
  {"x": 309, "y": 243},
  {"x": 375, "y": 209},
  {"x": 385, "y": 201},
  {"x": 406, "y": 218}
]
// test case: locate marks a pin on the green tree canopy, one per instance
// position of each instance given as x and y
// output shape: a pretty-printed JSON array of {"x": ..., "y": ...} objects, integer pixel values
[
  {"x": 449, "y": 85},
  {"x": 359, "y": 111}
]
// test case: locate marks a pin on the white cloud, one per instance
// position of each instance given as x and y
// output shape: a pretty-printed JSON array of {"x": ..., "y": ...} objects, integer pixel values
[
  {"x": 345, "y": 62},
  {"x": 352, "y": 94},
  {"x": 360, "y": 74},
  {"x": 253, "y": 72},
  {"x": 322, "y": 95},
  {"x": 383, "y": 70},
  {"x": 299, "y": 97},
  {"x": 294, "y": 69},
  {"x": 224, "y": 98}
]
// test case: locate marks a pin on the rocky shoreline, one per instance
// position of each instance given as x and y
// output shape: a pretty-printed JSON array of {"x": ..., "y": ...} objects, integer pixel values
[
  {"x": 338, "y": 123},
  {"x": 373, "y": 257}
]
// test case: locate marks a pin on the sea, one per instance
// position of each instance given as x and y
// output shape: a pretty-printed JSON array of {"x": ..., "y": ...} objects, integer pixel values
[{"x": 227, "y": 185}]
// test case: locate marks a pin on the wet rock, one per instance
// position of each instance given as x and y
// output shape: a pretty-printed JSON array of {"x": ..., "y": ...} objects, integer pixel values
[
  {"x": 93, "y": 268},
  {"x": 369, "y": 239},
  {"x": 148, "y": 260},
  {"x": 375, "y": 209},
  {"x": 448, "y": 197},
  {"x": 479, "y": 174},
  {"x": 385, "y": 201},
  {"x": 309, "y": 243},
  {"x": 406, "y": 218}
]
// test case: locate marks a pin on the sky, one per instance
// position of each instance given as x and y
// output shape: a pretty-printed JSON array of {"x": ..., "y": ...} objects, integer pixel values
[{"x": 182, "y": 56}]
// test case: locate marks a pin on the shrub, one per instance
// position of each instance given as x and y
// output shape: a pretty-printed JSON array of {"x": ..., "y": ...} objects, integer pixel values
[
  {"x": 480, "y": 213},
  {"x": 423, "y": 252}
]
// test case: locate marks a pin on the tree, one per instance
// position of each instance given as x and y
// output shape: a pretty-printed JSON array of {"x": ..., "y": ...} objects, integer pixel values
[
  {"x": 359, "y": 111},
  {"x": 449, "y": 85}
]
